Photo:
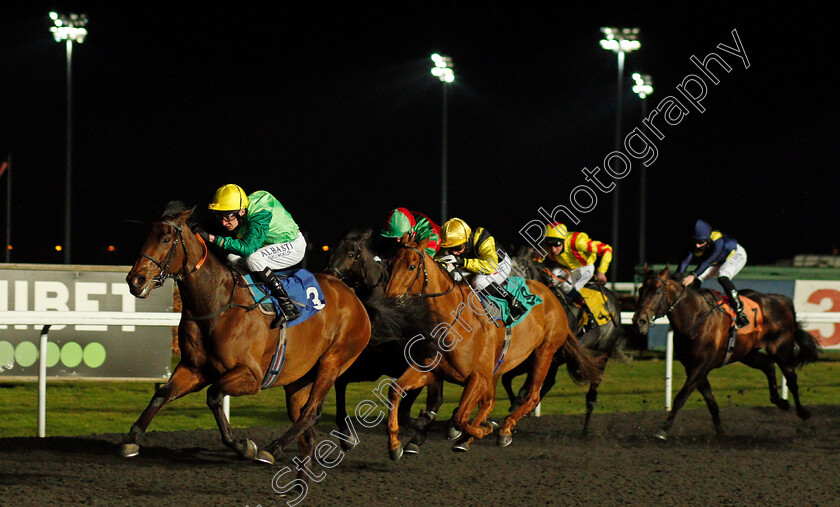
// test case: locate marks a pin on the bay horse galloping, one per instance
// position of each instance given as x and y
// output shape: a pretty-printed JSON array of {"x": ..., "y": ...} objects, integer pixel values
[
  {"x": 604, "y": 343},
  {"x": 702, "y": 328},
  {"x": 354, "y": 262},
  {"x": 469, "y": 350},
  {"x": 229, "y": 346}
]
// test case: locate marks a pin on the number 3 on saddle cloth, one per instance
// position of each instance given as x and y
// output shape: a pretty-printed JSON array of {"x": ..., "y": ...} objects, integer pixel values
[
  {"x": 304, "y": 291},
  {"x": 301, "y": 286}
]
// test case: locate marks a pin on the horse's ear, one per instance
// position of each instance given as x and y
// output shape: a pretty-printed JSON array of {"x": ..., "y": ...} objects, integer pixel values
[
  {"x": 666, "y": 271},
  {"x": 423, "y": 244},
  {"x": 405, "y": 238},
  {"x": 647, "y": 269},
  {"x": 185, "y": 215},
  {"x": 366, "y": 235}
]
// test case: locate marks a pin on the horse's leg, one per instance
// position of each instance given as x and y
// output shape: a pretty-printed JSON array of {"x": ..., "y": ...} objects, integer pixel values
[
  {"x": 474, "y": 391},
  {"x": 341, "y": 410},
  {"x": 309, "y": 414},
  {"x": 295, "y": 399},
  {"x": 706, "y": 390},
  {"x": 238, "y": 382},
  {"x": 405, "y": 407},
  {"x": 507, "y": 383},
  {"x": 765, "y": 364},
  {"x": 411, "y": 379},
  {"x": 694, "y": 374},
  {"x": 243, "y": 447},
  {"x": 539, "y": 370},
  {"x": 183, "y": 381},
  {"x": 789, "y": 371},
  {"x": 592, "y": 395},
  {"x": 434, "y": 399},
  {"x": 485, "y": 407}
]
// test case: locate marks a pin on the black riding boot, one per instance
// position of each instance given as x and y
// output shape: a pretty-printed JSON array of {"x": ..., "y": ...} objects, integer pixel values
[
  {"x": 517, "y": 309},
  {"x": 578, "y": 299},
  {"x": 741, "y": 320},
  {"x": 288, "y": 310}
]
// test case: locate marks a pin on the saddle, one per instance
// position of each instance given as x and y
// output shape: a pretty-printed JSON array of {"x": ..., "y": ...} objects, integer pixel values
[
  {"x": 301, "y": 286},
  {"x": 751, "y": 310}
]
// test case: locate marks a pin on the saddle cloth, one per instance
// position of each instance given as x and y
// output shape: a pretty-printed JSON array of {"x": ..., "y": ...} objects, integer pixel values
[
  {"x": 751, "y": 310},
  {"x": 301, "y": 286},
  {"x": 517, "y": 286},
  {"x": 597, "y": 303}
]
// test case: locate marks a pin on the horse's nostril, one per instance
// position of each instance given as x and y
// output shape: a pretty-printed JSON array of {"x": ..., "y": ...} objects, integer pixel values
[{"x": 138, "y": 281}]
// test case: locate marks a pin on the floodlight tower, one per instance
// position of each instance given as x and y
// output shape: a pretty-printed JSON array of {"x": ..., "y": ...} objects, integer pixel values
[
  {"x": 69, "y": 28},
  {"x": 643, "y": 87},
  {"x": 443, "y": 70},
  {"x": 620, "y": 40}
]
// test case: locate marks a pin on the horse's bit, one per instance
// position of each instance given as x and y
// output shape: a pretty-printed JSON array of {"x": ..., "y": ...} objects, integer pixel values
[{"x": 163, "y": 275}]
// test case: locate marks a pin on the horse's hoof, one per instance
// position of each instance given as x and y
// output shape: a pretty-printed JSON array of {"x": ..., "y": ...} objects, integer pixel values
[
  {"x": 129, "y": 450},
  {"x": 411, "y": 448},
  {"x": 461, "y": 446},
  {"x": 250, "y": 449},
  {"x": 803, "y": 414},
  {"x": 396, "y": 453},
  {"x": 347, "y": 446},
  {"x": 452, "y": 433},
  {"x": 504, "y": 440},
  {"x": 264, "y": 456},
  {"x": 661, "y": 435},
  {"x": 783, "y": 404}
]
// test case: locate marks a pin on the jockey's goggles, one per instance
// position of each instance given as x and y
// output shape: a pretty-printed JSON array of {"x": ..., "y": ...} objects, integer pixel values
[{"x": 226, "y": 216}]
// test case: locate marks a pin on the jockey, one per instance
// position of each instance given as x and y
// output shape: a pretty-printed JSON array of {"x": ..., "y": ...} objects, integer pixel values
[
  {"x": 476, "y": 252},
  {"x": 417, "y": 225},
  {"x": 265, "y": 234},
  {"x": 576, "y": 252},
  {"x": 718, "y": 255}
]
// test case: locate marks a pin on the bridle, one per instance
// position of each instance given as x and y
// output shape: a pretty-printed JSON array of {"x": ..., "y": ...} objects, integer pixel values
[
  {"x": 164, "y": 266},
  {"x": 664, "y": 301},
  {"x": 422, "y": 268},
  {"x": 359, "y": 250}
]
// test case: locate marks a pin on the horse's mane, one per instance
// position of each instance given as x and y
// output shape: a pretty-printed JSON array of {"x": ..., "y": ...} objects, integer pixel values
[
  {"x": 392, "y": 319},
  {"x": 175, "y": 208}
]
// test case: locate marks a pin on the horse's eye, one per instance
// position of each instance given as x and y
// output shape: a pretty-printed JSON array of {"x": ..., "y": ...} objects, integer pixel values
[
  {"x": 167, "y": 239},
  {"x": 412, "y": 267},
  {"x": 658, "y": 291},
  {"x": 351, "y": 255}
]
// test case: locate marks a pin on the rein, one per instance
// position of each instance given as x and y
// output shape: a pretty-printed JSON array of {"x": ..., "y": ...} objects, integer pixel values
[
  {"x": 425, "y": 278},
  {"x": 671, "y": 306},
  {"x": 164, "y": 268},
  {"x": 362, "y": 267}
]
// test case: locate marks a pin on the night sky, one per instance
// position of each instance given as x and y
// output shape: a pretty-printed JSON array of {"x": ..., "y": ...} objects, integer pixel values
[{"x": 335, "y": 112}]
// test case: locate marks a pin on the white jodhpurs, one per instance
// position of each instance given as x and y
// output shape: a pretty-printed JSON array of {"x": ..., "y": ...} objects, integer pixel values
[
  {"x": 730, "y": 267},
  {"x": 279, "y": 256},
  {"x": 577, "y": 278}
]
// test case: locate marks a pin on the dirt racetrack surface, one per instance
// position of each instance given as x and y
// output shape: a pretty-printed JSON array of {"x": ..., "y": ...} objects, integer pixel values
[{"x": 768, "y": 457}]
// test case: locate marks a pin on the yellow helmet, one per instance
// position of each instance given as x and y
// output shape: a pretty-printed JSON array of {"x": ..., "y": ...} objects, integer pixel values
[
  {"x": 556, "y": 230},
  {"x": 455, "y": 232},
  {"x": 229, "y": 198}
]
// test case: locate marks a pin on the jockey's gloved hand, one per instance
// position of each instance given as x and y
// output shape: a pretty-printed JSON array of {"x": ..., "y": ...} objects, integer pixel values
[
  {"x": 203, "y": 235},
  {"x": 451, "y": 259}
]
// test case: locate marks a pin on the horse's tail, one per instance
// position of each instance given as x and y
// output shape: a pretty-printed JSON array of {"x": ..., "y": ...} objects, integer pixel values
[
  {"x": 582, "y": 367},
  {"x": 809, "y": 348}
]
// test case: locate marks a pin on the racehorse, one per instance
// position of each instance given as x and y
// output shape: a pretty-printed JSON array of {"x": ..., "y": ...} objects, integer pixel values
[
  {"x": 229, "y": 347},
  {"x": 604, "y": 343},
  {"x": 469, "y": 351},
  {"x": 354, "y": 263},
  {"x": 702, "y": 330}
]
